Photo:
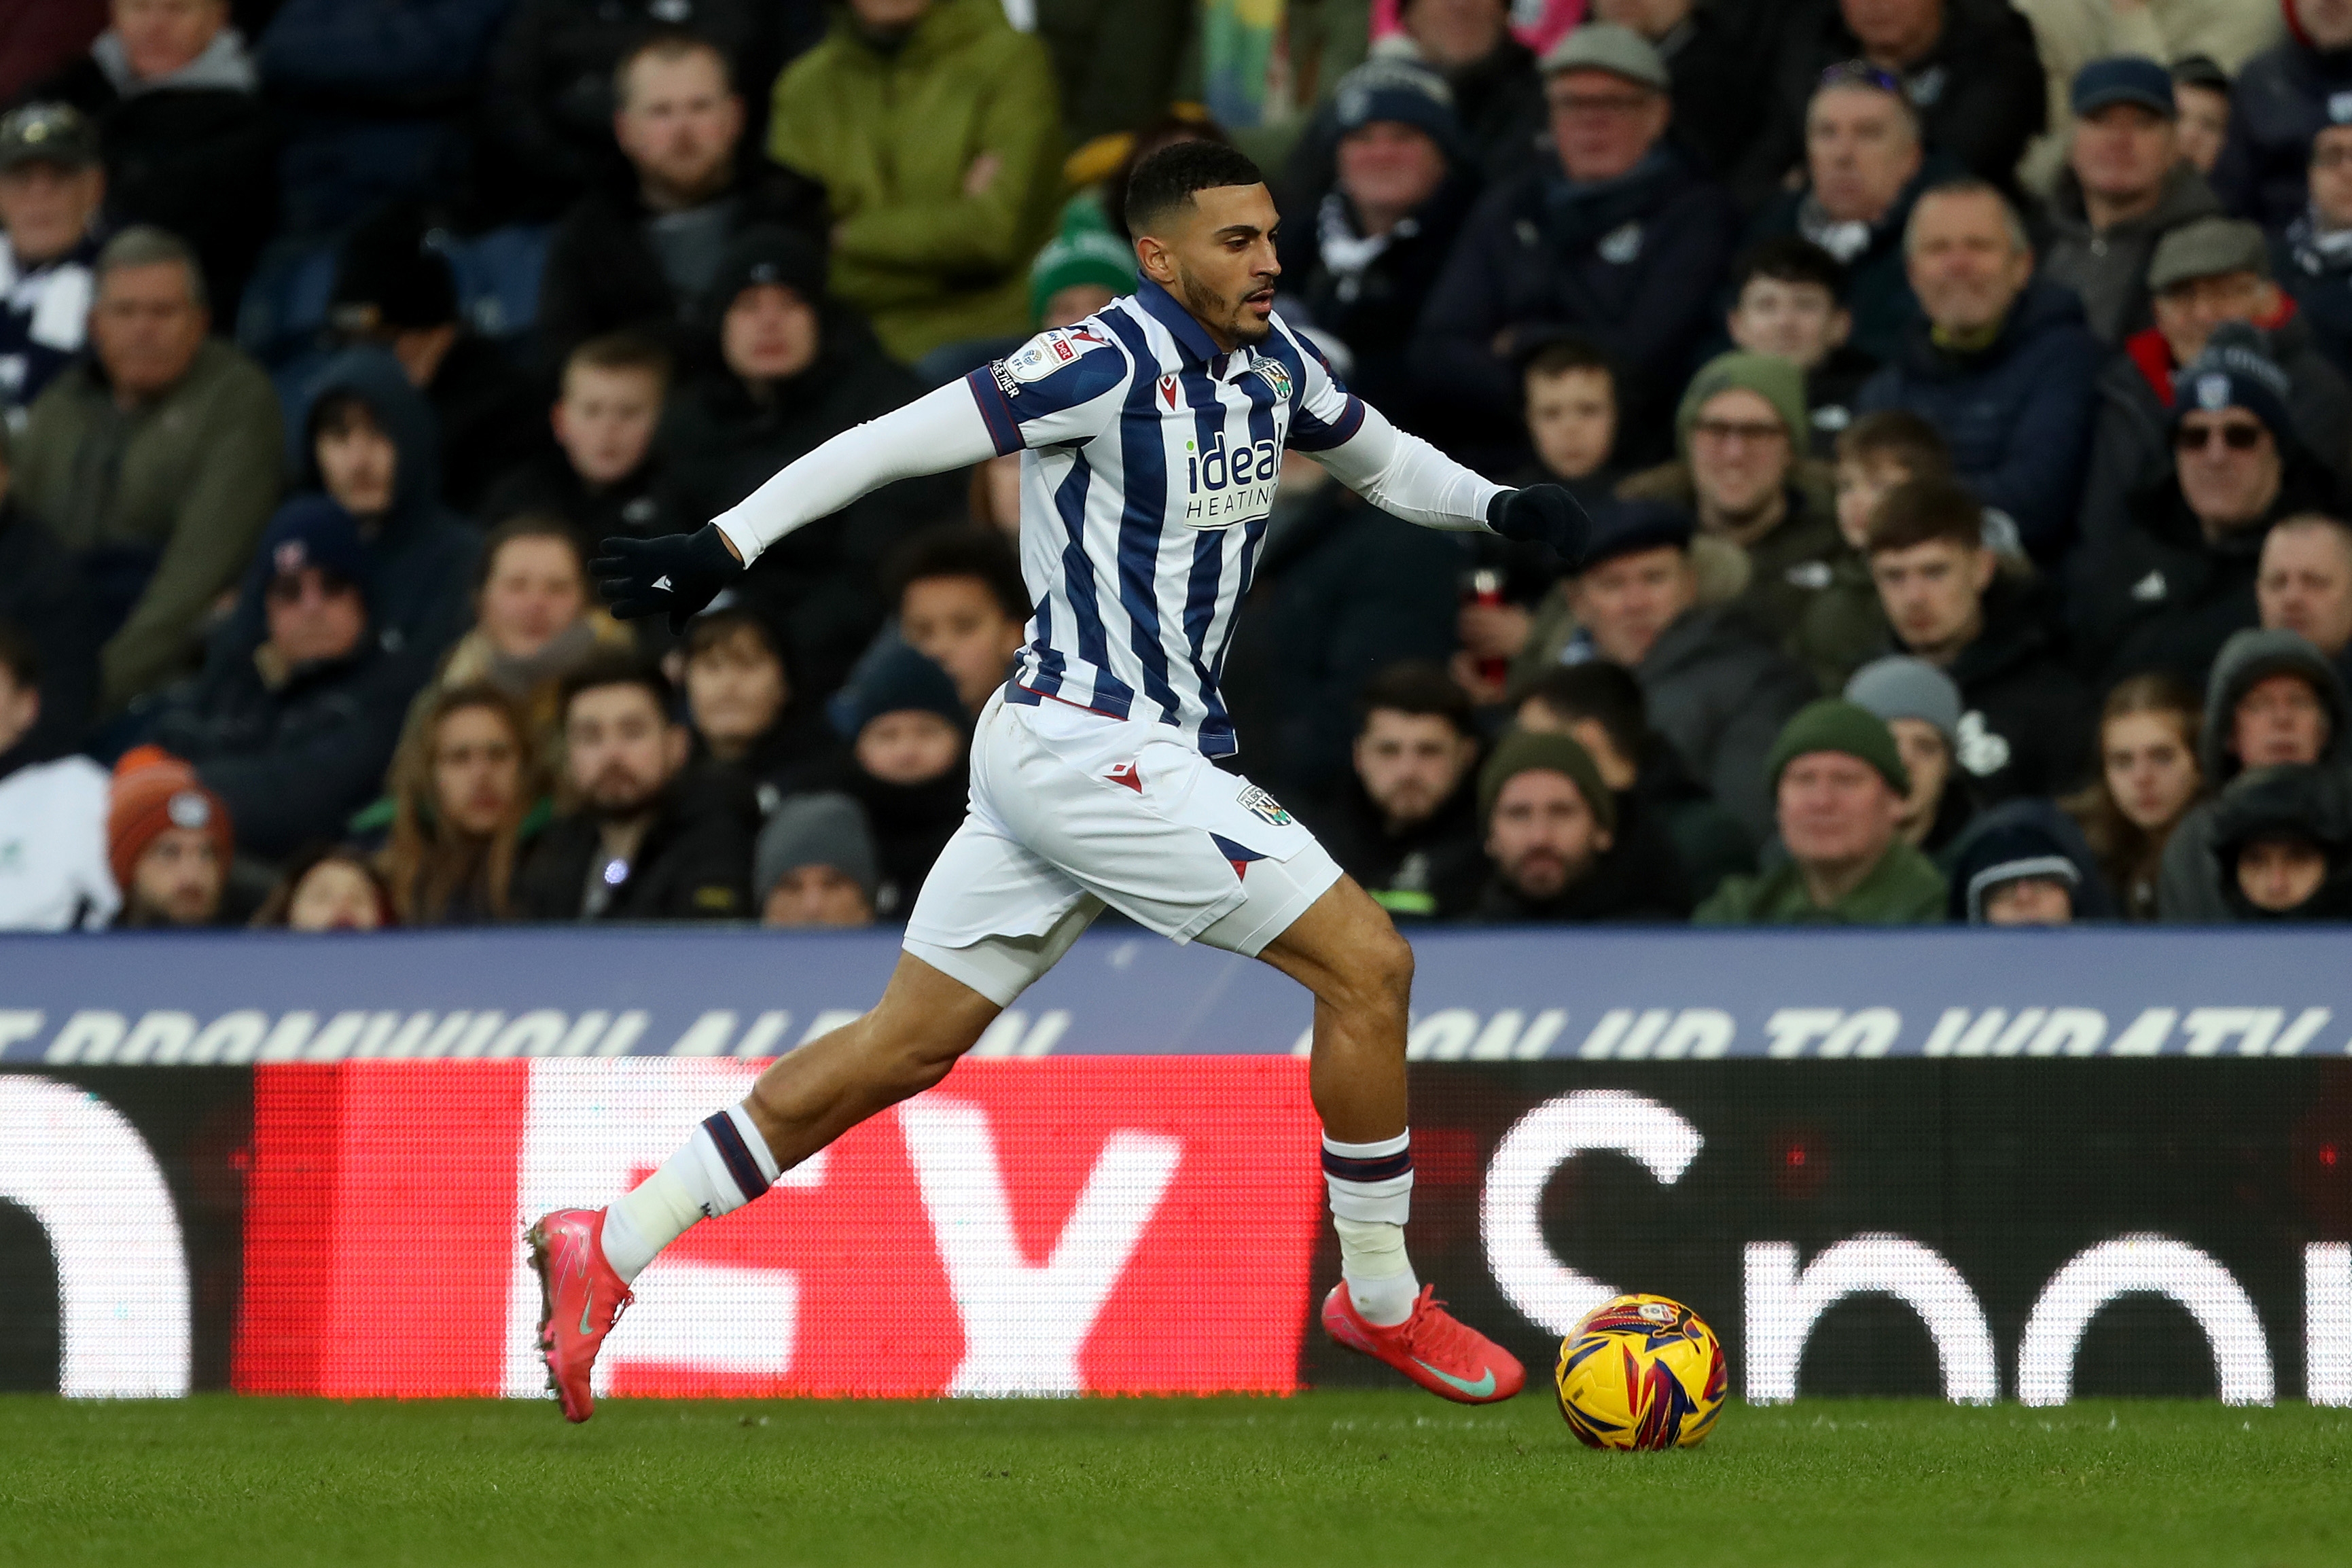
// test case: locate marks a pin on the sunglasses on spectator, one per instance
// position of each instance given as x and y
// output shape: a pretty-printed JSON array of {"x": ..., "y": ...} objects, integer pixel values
[
  {"x": 1860, "y": 73},
  {"x": 2238, "y": 434},
  {"x": 290, "y": 588}
]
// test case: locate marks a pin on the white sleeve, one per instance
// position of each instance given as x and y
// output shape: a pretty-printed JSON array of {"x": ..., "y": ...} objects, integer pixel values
[
  {"x": 940, "y": 430},
  {"x": 1405, "y": 476}
]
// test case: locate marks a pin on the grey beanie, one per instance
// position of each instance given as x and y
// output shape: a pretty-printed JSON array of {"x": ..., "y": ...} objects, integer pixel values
[
  {"x": 1901, "y": 686},
  {"x": 815, "y": 830}
]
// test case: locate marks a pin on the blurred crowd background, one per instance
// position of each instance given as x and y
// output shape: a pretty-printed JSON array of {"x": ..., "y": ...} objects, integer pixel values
[{"x": 1958, "y": 388}]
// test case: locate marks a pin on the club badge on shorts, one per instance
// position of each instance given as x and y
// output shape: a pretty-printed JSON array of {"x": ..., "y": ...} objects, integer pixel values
[{"x": 1263, "y": 806}]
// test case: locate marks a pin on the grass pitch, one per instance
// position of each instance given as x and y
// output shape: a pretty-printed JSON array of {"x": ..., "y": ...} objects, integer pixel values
[{"x": 1342, "y": 1478}]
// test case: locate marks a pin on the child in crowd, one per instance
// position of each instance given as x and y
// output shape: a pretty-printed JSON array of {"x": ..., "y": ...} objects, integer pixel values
[{"x": 1788, "y": 301}]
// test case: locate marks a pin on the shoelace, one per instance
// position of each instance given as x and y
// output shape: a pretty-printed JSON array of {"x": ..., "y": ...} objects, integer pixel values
[{"x": 1432, "y": 1335}]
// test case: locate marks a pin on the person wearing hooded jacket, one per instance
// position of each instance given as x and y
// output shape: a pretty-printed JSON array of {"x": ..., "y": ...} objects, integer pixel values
[
  {"x": 2282, "y": 98},
  {"x": 2165, "y": 591},
  {"x": 784, "y": 369},
  {"x": 2255, "y": 718},
  {"x": 1618, "y": 238},
  {"x": 2283, "y": 844},
  {"x": 2020, "y": 863}
]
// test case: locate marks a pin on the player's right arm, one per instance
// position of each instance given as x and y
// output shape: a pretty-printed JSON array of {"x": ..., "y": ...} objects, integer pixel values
[{"x": 1061, "y": 386}]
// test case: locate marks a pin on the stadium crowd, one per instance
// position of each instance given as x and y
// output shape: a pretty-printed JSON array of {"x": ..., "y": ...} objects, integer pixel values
[{"x": 1960, "y": 392}]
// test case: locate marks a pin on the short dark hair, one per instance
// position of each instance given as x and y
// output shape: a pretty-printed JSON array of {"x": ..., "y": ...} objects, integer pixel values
[
  {"x": 529, "y": 525},
  {"x": 1419, "y": 688},
  {"x": 1923, "y": 511},
  {"x": 624, "y": 349},
  {"x": 1789, "y": 259},
  {"x": 335, "y": 411},
  {"x": 1165, "y": 180},
  {"x": 712, "y": 628},
  {"x": 1900, "y": 434},
  {"x": 617, "y": 669},
  {"x": 1607, "y": 694},
  {"x": 961, "y": 549},
  {"x": 668, "y": 42},
  {"x": 1561, "y": 356},
  {"x": 19, "y": 657}
]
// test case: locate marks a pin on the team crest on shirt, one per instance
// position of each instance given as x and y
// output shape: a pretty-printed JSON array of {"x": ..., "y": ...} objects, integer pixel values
[
  {"x": 1275, "y": 375},
  {"x": 1263, "y": 806}
]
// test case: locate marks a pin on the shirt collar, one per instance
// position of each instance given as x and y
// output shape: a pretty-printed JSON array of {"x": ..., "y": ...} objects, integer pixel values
[{"x": 1190, "y": 335}]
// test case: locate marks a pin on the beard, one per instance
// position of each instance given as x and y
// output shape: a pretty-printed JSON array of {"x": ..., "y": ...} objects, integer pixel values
[
  {"x": 617, "y": 794},
  {"x": 1228, "y": 315}
]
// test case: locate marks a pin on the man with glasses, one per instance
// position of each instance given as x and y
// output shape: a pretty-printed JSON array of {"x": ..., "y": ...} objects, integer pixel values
[
  {"x": 2170, "y": 587},
  {"x": 1618, "y": 240},
  {"x": 2000, "y": 361},
  {"x": 2203, "y": 274}
]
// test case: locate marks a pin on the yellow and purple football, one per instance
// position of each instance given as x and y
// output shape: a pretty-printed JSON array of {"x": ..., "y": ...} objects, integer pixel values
[{"x": 1640, "y": 1372}]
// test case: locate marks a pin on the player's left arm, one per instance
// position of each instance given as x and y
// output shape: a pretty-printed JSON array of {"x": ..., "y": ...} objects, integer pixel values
[{"x": 1406, "y": 476}]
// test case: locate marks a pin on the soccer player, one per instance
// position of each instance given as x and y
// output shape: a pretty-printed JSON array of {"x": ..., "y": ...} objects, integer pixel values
[{"x": 1149, "y": 436}]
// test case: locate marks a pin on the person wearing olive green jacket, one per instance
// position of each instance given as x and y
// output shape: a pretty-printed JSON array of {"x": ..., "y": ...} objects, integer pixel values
[
  {"x": 1838, "y": 785},
  {"x": 937, "y": 132}
]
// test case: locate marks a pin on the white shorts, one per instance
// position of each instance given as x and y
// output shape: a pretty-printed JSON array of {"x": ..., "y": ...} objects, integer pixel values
[{"x": 1072, "y": 811}]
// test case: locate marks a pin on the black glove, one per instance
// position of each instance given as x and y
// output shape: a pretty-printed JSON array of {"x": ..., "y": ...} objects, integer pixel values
[
  {"x": 1543, "y": 514},
  {"x": 679, "y": 573}
]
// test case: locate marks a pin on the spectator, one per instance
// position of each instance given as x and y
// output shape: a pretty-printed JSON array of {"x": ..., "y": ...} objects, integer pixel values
[
  {"x": 1077, "y": 274},
  {"x": 1553, "y": 852},
  {"x": 169, "y": 842},
  {"x": 1968, "y": 67},
  {"x": 604, "y": 475},
  {"x": 1844, "y": 624},
  {"x": 51, "y": 188},
  {"x": 555, "y": 84},
  {"x": 936, "y": 131},
  {"x": 328, "y": 889},
  {"x": 1838, "y": 785},
  {"x": 1710, "y": 48},
  {"x": 1630, "y": 245},
  {"x": 1360, "y": 257},
  {"x": 815, "y": 865},
  {"x": 2271, "y": 700},
  {"x": 748, "y": 713},
  {"x": 2147, "y": 780},
  {"x": 906, "y": 767},
  {"x": 640, "y": 248},
  {"x": 53, "y": 870},
  {"x": 2283, "y": 97},
  {"x": 2166, "y": 590},
  {"x": 1601, "y": 706},
  {"x": 1406, "y": 825},
  {"x": 43, "y": 598},
  {"x": 395, "y": 289},
  {"x": 2204, "y": 276},
  {"x": 1743, "y": 434},
  {"x": 1788, "y": 301},
  {"x": 465, "y": 805},
  {"x": 1920, "y": 706},
  {"x": 2001, "y": 363},
  {"x": 535, "y": 624},
  {"x": 187, "y": 426},
  {"x": 2124, "y": 187},
  {"x": 371, "y": 98},
  {"x": 2314, "y": 256},
  {"x": 189, "y": 146},
  {"x": 2303, "y": 584},
  {"x": 649, "y": 839},
  {"x": 963, "y": 605},
  {"x": 794, "y": 370},
  {"x": 369, "y": 443},
  {"x": 295, "y": 734},
  {"x": 1570, "y": 395},
  {"x": 2201, "y": 97},
  {"x": 37, "y": 39},
  {"x": 1865, "y": 169},
  {"x": 1491, "y": 76},
  {"x": 2283, "y": 837},
  {"x": 1716, "y": 687},
  {"x": 2025, "y": 864},
  {"x": 2023, "y": 712}
]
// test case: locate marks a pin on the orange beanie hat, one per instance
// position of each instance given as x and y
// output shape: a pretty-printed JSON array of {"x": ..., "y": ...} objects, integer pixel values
[{"x": 155, "y": 791}]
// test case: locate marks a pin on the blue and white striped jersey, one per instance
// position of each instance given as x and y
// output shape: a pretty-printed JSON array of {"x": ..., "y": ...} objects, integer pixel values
[{"x": 1149, "y": 463}]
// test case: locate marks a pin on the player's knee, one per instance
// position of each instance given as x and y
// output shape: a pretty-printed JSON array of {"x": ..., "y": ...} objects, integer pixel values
[{"x": 1378, "y": 967}]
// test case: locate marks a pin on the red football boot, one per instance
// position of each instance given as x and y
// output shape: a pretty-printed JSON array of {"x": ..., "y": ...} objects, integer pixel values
[
  {"x": 580, "y": 1299},
  {"x": 1437, "y": 1351}
]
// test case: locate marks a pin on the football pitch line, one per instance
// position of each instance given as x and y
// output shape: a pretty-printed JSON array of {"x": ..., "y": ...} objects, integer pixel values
[{"x": 1348, "y": 1477}]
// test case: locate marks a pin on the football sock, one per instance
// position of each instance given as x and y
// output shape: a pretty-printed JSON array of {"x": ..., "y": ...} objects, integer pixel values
[
  {"x": 1371, "y": 1197},
  {"x": 722, "y": 1167}
]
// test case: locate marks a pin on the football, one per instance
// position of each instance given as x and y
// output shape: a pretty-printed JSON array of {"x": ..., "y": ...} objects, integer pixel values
[{"x": 1640, "y": 1372}]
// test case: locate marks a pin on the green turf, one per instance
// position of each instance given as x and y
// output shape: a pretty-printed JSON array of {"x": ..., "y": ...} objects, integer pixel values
[{"x": 1359, "y": 1478}]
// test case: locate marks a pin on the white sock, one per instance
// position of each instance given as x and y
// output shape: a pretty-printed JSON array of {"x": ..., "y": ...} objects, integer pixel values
[
  {"x": 1371, "y": 1197},
  {"x": 722, "y": 1167}
]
